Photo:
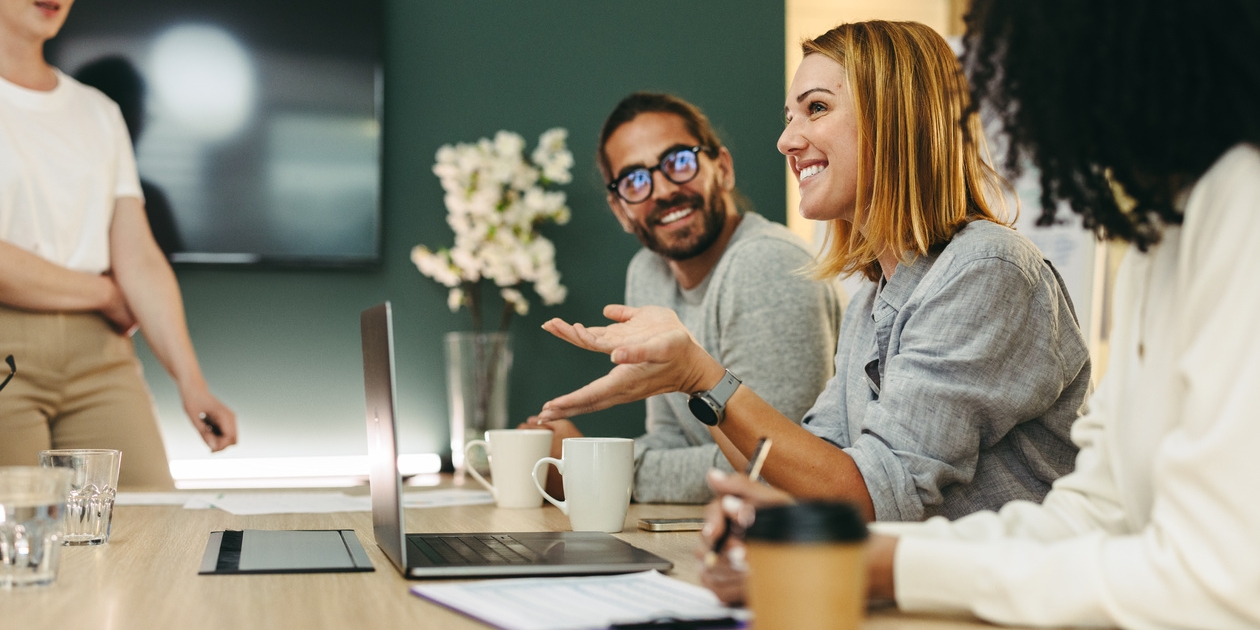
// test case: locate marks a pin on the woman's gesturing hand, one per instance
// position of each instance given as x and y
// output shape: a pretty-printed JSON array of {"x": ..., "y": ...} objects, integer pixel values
[{"x": 654, "y": 353}]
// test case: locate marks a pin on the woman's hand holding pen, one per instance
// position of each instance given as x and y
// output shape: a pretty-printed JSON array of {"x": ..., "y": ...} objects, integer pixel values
[
  {"x": 738, "y": 498},
  {"x": 214, "y": 421}
]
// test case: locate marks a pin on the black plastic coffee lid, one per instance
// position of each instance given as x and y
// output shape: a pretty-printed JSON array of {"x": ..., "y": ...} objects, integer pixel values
[{"x": 808, "y": 522}]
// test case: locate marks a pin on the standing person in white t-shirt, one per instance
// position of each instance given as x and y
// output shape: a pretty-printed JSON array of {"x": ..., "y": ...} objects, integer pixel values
[{"x": 80, "y": 270}]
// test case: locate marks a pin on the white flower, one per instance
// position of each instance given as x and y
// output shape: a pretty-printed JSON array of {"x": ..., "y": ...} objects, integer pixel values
[
  {"x": 549, "y": 288},
  {"x": 446, "y": 154},
  {"x": 542, "y": 250},
  {"x": 495, "y": 200},
  {"x": 552, "y": 157},
  {"x": 553, "y": 139},
  {"x": 509, "y": 144},
  {"x": 435, "y": 265},
  {"x": 467, "y": 262},
  {"x": 525, "y": 177},
  {"x": 496, "y": 266},
  {"x": 561, "y": 216},
  {"x": 518, "y": 301}
]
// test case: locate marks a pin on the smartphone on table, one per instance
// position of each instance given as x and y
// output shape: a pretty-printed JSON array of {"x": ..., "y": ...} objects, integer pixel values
[{"x": 692, "y": 524}]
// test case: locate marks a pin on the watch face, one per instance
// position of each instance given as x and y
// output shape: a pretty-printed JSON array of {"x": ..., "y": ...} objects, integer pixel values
[{"x": 703, "y": 410}]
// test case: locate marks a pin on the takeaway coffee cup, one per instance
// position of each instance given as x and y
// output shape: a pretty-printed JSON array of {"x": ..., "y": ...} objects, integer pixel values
[
  {"x": 512, "y": 453},
  {"x": 597, "y": 476},
  {"x": 807, "y": 567}
]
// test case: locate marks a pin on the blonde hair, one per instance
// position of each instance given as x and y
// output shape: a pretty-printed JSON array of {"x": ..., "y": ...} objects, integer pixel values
[{"x": 920, "y": 174}]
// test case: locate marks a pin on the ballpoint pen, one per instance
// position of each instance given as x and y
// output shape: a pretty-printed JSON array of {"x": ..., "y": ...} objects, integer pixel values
[
  {"x": 753, "y": 470},
  {"x": 214, "y": 426}
]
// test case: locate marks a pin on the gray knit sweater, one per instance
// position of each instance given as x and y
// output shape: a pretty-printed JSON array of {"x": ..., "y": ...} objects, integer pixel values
[{"x": 759, "y": 316}]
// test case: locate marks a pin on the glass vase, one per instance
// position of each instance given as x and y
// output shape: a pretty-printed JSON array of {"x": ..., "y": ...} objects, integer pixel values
[{"x": 477, "y": 367}]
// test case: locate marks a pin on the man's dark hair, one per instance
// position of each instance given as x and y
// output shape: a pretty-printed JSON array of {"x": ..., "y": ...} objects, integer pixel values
[
  {"x": 649, "y": 102},
  {"x": 1140, "y": 95}
]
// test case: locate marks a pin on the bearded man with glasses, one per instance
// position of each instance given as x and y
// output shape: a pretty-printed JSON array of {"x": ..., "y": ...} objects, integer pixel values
[{"x": 733, "y": 277}]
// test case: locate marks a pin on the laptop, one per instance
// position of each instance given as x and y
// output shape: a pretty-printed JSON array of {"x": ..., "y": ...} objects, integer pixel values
[{"x": 490, "y": 554}]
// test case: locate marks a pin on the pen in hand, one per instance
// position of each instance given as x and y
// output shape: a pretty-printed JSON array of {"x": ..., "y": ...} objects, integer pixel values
[
  {"x": 214, "y": 426},
  {"x": 753, "y": 471}
]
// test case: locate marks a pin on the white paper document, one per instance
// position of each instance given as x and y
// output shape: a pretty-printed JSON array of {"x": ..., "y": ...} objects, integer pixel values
[
  {"x": 253, "y": 503},
  {"x": 162, "y": 498},
  {"x": 578, "y": 603},
  {"x": 444, "y": 498}
]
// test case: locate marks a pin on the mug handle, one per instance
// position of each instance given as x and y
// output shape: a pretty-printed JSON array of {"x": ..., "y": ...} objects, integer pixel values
[
  {"x": 542, "y": 463},
  {"x": 472, "y": 470}
]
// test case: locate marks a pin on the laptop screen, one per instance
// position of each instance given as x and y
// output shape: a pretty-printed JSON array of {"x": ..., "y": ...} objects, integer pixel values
[{"x": 378, "y": 385}]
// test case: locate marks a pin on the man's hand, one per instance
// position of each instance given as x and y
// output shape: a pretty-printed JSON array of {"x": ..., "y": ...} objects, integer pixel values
[
  {"x": 738, "y": 499},
  {"x": 560, "y": 429},
  {"x": 654, "y": 353},
  {"x": 205, "y": 410}
]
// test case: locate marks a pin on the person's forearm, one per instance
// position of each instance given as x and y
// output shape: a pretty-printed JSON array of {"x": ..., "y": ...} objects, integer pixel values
[
  {"x": 677, "y": 475},
  {"x": 149, "y": 285},
  {"x": 737, "y": 459},
  {"x": 153, "y": 294},
  {"x": 32, "y": 283},
  {"x": 800, "y": 463},
  {"x": 880, "y": 554}
]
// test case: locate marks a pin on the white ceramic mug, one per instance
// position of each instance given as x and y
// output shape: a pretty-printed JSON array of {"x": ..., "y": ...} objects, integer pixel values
[
  {"x": 512, "y": 454},
  {"x": 597, "y": 474}
]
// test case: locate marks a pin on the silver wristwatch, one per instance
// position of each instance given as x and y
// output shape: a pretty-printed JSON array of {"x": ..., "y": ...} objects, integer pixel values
[{"x": 710, "y": 407}]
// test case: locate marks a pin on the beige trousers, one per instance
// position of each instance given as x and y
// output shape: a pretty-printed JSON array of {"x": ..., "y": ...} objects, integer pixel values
[{"x": 78, "y": 385}]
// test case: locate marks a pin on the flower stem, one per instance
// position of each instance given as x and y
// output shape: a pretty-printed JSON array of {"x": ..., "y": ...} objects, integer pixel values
[
  {"x": 472, "y": 292},
  {"x": 506, "y": 316}
]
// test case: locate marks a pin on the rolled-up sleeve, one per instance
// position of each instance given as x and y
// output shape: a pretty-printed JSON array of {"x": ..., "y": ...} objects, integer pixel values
[{"x": 979, "y": 355}]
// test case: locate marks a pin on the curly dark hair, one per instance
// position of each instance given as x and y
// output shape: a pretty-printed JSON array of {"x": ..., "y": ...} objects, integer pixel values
[{"x": 1140, "y": 96}]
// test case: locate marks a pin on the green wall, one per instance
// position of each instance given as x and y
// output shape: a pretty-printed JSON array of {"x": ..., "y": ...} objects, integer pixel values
[{"x": 282, "y": 346}]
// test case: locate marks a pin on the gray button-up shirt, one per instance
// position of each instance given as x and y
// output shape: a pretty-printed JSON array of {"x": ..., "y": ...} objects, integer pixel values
[{"x": 957, "y": 380}]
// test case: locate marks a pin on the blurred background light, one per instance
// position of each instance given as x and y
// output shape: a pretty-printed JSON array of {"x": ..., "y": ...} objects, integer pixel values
[{"x": 204, "y": 78}]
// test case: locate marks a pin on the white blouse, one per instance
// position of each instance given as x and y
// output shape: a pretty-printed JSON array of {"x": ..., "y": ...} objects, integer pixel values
[{"x": 1159, "y": 525}]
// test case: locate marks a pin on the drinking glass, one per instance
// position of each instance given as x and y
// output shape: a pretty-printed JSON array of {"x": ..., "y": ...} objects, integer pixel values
[
  {"x": 32, "y": 500},
  {"x": 93, "y": 484}
]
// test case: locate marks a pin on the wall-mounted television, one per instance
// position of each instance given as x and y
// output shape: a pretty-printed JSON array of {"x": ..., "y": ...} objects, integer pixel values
[{"x": 257, "y": 125}]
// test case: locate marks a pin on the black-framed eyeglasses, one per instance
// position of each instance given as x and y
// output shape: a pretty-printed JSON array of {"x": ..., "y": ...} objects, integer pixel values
[
  {"x": 679, "y": 166},
  {"x": 12, "y": 370}
]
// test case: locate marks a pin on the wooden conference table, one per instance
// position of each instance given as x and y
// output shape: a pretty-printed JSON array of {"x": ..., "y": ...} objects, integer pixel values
[{"x": 146, "y": 577}]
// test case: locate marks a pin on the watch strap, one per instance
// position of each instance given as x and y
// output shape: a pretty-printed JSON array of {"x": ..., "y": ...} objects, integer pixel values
[{"x": 725, "y": 388}]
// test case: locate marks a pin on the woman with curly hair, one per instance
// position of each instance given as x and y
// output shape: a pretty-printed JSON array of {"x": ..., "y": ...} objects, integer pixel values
[{"x": 1145, "y": 117}]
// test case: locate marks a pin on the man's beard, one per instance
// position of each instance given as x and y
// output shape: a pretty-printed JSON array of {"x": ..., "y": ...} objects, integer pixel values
[{"x": 690, "y": 244}]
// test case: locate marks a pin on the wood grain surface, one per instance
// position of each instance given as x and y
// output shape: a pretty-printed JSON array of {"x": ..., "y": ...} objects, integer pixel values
[{"x": 146, "y": 577}]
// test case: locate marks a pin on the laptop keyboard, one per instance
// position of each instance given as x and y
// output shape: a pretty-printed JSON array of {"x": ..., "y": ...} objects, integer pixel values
[{"x": 469, "y": 550}]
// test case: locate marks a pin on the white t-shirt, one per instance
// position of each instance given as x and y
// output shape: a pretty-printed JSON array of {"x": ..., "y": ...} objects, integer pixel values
[
  {"x": 1159, "y": 526},
  {"x": 65, "y": 157}
]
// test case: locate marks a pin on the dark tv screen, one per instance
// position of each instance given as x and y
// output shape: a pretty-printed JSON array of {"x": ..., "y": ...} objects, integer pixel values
[{"x": 256, "y": 125}]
